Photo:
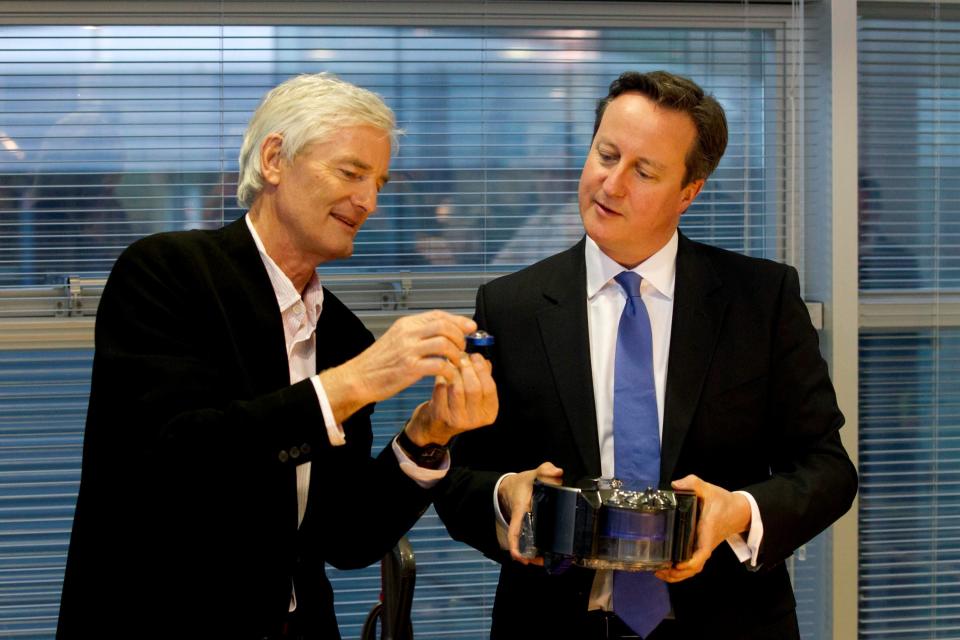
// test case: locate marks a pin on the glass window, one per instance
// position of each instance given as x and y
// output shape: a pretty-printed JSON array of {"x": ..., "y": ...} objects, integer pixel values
[
  {"x": 909, "y": 116},
  {"x": 112, "y": 132}
]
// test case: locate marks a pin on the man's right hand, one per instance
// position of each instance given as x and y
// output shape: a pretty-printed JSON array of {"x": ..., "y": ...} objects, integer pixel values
[
  {"x": 414, "y": 347},
  {"x": 515, "y": 495}
]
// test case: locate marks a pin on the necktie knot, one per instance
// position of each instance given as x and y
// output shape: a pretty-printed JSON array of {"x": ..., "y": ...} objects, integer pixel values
[{"x": 630, "y": 282}]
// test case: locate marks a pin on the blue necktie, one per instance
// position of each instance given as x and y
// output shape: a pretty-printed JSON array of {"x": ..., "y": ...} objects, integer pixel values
[{"x": 639, "y": 599}]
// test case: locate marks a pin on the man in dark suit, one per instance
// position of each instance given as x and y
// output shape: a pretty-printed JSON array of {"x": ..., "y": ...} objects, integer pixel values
[
  {"x": 747, "y": 413},
  {"x": 227, "y": 445}
]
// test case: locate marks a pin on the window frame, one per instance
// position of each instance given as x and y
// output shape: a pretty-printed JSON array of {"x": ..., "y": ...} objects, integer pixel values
[{"x": 62, "y": 316}]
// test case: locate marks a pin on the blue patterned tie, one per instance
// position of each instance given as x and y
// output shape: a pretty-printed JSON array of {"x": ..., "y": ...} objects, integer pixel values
[{"x": 640, "y": 599}]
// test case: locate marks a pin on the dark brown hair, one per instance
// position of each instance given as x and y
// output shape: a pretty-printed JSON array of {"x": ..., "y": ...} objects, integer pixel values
[{"x": 683, "y": 95}]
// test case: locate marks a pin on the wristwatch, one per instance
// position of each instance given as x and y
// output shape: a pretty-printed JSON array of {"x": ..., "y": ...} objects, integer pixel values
[{"x": 429, "y": 456}]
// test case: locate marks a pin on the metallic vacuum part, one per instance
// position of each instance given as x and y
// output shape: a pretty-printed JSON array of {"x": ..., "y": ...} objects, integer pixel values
[{"x": 609, "y": 526}]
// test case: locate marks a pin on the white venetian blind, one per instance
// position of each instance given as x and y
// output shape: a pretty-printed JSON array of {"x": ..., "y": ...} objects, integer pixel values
[
  {"x": 909, "y": 117},
  {"x": 118, "y": 124}
]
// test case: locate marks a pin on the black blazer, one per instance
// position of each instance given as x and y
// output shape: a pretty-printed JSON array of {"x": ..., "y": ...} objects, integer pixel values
[
  {"x": 186, "y": 522},
  {"x": 749, "y": 405}
]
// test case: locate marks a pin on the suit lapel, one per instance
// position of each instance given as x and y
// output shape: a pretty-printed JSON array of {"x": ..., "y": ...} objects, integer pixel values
[
  {"x": 566, "y": 340},
  {"x": 255, "y": 321},
  {"x": 698, "y": 310},
  {"x": 256, "y": 331}
]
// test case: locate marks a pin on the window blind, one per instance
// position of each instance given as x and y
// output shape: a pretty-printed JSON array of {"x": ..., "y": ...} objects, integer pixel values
[
  {"x": 44, "y": 399},
  {"x": 112, "y": 130},
  {"x": 909, "y": 116}
]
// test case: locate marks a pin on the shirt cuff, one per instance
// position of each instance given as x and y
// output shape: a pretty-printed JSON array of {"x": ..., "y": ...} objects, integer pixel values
[
  {"x": 424, "y": 477},
  {"x": 501, "y": 524},
  {"x": 334, "y": 431},
  {"x": 748, "y": 549}
]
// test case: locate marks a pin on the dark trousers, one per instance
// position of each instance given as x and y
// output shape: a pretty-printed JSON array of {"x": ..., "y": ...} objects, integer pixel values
[
  {"x": 605, "y": 625},
  {"x": 293, "y": 629}
]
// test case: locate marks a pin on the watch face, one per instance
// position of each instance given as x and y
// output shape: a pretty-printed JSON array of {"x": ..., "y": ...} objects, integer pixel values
[
  {"x": 434, "y": 453},
  {"x": 431, "y": 456}
]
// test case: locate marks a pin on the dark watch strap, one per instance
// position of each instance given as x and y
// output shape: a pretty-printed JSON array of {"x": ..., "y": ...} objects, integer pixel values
[{"x": 429, "y": 456}]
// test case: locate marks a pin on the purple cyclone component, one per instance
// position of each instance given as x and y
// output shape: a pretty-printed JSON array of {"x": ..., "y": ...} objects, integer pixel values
[{"x": 633, "y": 525}]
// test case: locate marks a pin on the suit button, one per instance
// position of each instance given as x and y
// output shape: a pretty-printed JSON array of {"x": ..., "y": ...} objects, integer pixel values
[
  {"x": 305, "y": 448},
  {"x": 294, "y": 452},
  {"x": 283, "y": 456}
]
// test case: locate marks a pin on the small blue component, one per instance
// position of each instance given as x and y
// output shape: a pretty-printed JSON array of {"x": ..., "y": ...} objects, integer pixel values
[{"x": 479, "y": 339}]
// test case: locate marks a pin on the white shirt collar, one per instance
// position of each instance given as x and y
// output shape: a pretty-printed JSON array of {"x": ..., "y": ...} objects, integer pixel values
[
  {"x": 658, "y": 271},
  {"x": 287, "y": 295}
]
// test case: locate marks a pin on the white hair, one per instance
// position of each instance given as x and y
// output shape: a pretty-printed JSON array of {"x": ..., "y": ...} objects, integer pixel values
[{"x": 306, "y": 109}]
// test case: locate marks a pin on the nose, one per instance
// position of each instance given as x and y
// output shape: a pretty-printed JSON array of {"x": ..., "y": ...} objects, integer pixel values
[
  {"x": 365, "y": 197},
  {"x": 614, "y": 183}
]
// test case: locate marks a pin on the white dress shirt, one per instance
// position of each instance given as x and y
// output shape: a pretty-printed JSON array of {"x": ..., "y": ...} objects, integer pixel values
[
  {"x": 605, "y": 302},
  {"x": 300, "y": 313}
]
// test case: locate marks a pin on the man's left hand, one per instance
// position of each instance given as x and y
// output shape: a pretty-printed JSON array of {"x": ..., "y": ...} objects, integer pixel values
[
  {"x": 467, "y": 402},
  {"x": 722, "y": 514}
]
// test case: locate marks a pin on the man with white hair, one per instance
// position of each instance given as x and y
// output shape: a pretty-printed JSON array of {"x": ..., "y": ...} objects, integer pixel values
[{"x": 227, "y": 446}]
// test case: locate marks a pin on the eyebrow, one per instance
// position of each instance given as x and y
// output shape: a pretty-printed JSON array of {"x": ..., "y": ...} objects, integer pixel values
[
  {"x": 360, "y": 164},
  {"x": 653, "y": 163},
  {"x": 642, "y": 160}
]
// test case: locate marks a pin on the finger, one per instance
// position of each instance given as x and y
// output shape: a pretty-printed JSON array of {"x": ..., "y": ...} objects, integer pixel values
[
  {"x": 688, "y": 483},
  {"x": 549, "y": 470},
  {"x": 465, "y": 324},
  {"x": 513, "y": 535},
  {"x": 473, "y": 407},
  {"x": 695, "y": 562},
  {"x": 551, "y": 478},
  {"x": 440, "y": 367},
  {"x": 491, "y": 407},
  {"x": 435, "y": 324},
  {"x": 472, "y": 387},
  {"x": 674, "y": 575},
  {"x": 438, "y": 347},
  {"x": 456, "y": 403},
  {"x": 481, "y": 364},
  {"x": 453, "y": 328},
  {"x": 438, "y": 400},
  {"x": 490, "y": 402},
  {"x": 484, "y": 371},
  {"x": 444, "y": 398}
]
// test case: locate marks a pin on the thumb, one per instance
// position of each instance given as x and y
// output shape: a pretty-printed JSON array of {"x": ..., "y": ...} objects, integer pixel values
[
  {"x": 549, "y": 470},
  {"x": 687, "y": 483}
]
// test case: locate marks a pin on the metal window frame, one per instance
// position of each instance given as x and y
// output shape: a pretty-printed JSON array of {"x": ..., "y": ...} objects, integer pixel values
[{"x": 62, "y": 316}]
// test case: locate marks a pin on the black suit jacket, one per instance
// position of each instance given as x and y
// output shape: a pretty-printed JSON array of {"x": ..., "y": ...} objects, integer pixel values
[
  {"x": 749, "y": 405},
  {"x": 186, "y": 522}
]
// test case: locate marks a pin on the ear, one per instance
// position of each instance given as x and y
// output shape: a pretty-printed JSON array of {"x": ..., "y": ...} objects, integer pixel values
[
  {"x": 271, "y": 158},
  {"x": 690, "y": 193}
]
